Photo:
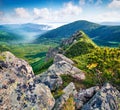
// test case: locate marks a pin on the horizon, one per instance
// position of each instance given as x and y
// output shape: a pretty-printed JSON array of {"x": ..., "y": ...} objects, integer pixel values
[{"x": 51, "y": 12}]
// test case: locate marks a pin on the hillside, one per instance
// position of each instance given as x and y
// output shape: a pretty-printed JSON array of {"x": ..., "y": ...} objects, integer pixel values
[
  {"x": 8, "y": 37},
  {"x": 25, "y": 33},
  {"x": 101, "y": 34},
  {"x": 101, "y": 63}
]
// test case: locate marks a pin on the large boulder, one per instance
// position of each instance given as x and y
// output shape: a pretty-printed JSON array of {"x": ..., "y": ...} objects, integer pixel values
[
  {"x": 84, "y": 95},
  {"x": 68, "y": 91},
  {"x": 61, "y": 57},
  {"x": 18, "y": 91},
  {"x": 61, "y": 66},
  {"x": 108, "y": 98}
]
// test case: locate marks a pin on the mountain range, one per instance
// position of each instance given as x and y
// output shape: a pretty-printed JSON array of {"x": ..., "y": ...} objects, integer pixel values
[
  {"x": 23, "y": 32},
  {"x": 101, "y": 34}
]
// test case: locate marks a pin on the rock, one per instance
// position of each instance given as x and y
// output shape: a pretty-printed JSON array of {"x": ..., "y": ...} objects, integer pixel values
[
  {"x": 52, "y": 52},
  {"x": 68, "y": 91},
  {"x": 75, "y": 37},
  {"x": 84, "y": 95},
  {"x": 18, "y": 91},
  {"x": 50, "y": 79},
  {"x": 52, "y": 76},
  {"x": 60, "y": 57},
  {"x": 108, "y": 98}
]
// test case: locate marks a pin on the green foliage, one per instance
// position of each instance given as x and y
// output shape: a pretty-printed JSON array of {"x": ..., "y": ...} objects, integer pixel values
[
  {"x": 4, "y": 48},
  {"x": 102, "y": 65},
  {"x": 82, "y": 46},
  {"x": 57, "y": 93},
  {"x": 67, "y": 79},
  {"x": 41, "y": 65},
  {"x": 9, "y": 37}
]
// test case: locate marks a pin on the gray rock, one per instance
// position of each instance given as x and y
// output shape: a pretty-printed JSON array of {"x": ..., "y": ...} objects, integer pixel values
[
  {"x": 68, "y": 91},
  {"x": 52, "y": 76},
  {"x": 60, "y": 57},
  {"x": 52, "y": 53},
  {"x": 84, "y": 95},
  {"x": 75, "y": 37},
  {"x": 108, "y": 98},
  {"x": 18, "y": 91}
]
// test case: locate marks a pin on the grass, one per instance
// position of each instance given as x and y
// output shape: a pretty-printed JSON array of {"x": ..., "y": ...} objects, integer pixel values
[{"x": 34, "y": 54}]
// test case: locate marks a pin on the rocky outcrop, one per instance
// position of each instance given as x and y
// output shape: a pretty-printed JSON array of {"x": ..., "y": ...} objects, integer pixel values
[
  {"x": 84, "y": 95},
  {"x": 52, "y": 53},
  {"x": 108, "y": 98},
  {"x": 61, "y": 66},
  {"x": 75, "y": 37},
  {"x": 70, "y": 90},
  {"x": 18, "y": 91},
  {"x": 60, "y": 57}
]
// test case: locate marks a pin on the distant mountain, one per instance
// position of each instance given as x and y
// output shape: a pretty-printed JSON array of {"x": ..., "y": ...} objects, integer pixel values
[
  {"x": 28, "y": 31},
  {"x": 111, "y": 23},
  {"x": 102, "y": 35},
  {"x": 10, "y": 37}
]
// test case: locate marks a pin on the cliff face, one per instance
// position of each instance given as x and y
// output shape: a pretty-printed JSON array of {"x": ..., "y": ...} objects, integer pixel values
[{"x": 18, "y": 91}]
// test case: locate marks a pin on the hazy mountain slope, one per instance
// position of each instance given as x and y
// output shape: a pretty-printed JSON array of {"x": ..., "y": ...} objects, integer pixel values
[
  {"x": 28, "y": 31},
  {"x": 102, "y": 35},
  {"x": 10, "y": 37}
]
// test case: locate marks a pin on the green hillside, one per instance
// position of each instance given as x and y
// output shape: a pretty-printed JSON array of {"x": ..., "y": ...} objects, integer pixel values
[
  {"x": 102, "y": 35},
  {"x": 101, "y": 64},
  {"x": 9, "y": 37},
  {"x": 83, "y": 45}
]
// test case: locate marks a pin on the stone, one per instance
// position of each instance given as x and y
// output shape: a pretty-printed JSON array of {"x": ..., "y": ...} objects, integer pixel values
[
  {"x": 84, "y": 95},
  {"x": 18, "y": 90},
  {"x": 68, "y": 91},
  {"x": 60, "y": 57},
  {"x": 107, "y": 98},
  {"x": 63, "y": 65}
]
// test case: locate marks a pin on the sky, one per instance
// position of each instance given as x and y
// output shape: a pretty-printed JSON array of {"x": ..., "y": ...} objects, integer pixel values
[{"x": 58, "y": 12}]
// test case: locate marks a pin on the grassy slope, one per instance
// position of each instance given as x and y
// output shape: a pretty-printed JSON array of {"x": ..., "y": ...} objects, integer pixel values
[
  {"x": 82, "y": 46},
  {"x": 101, "y": 64}
]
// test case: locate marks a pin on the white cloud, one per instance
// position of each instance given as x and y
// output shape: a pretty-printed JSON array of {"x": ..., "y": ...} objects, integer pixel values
[
  {"x": 42, "y": 13},
  {"x": 22, "y": 12},
  {"x": 114, "y": 4},
  {"x": 82, "y": 2},
  {"x": 67, "y": 12},
  {"x": 108, "y": 16},
  {"x": 71, "y": 9}
]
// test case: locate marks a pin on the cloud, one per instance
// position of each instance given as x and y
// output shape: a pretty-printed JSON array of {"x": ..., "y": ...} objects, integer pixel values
[
  {"x": 109, "y": 16},
  {"x": 22, "y": 12},
  {"x": 81, "y": 2},
  {"x": 71, "y": 9},
  {"x": 114, "y": 4},
  {"x": 68, "y": 11}
]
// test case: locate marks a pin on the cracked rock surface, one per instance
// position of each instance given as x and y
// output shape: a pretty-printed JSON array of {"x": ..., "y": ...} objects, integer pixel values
[{"x": 18, "y": 91}]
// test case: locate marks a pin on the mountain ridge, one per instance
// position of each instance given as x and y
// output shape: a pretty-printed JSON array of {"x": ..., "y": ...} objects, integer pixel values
[{"x": 101, "y": 34}]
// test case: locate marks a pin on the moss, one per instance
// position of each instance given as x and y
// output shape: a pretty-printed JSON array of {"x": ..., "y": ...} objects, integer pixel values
[
  {"x": 57, "y": 93},
  {"x": 69, "y": 105}
]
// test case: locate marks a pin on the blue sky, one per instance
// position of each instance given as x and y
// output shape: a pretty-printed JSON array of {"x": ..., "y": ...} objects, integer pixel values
[{"x": 58, "y": 12}]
